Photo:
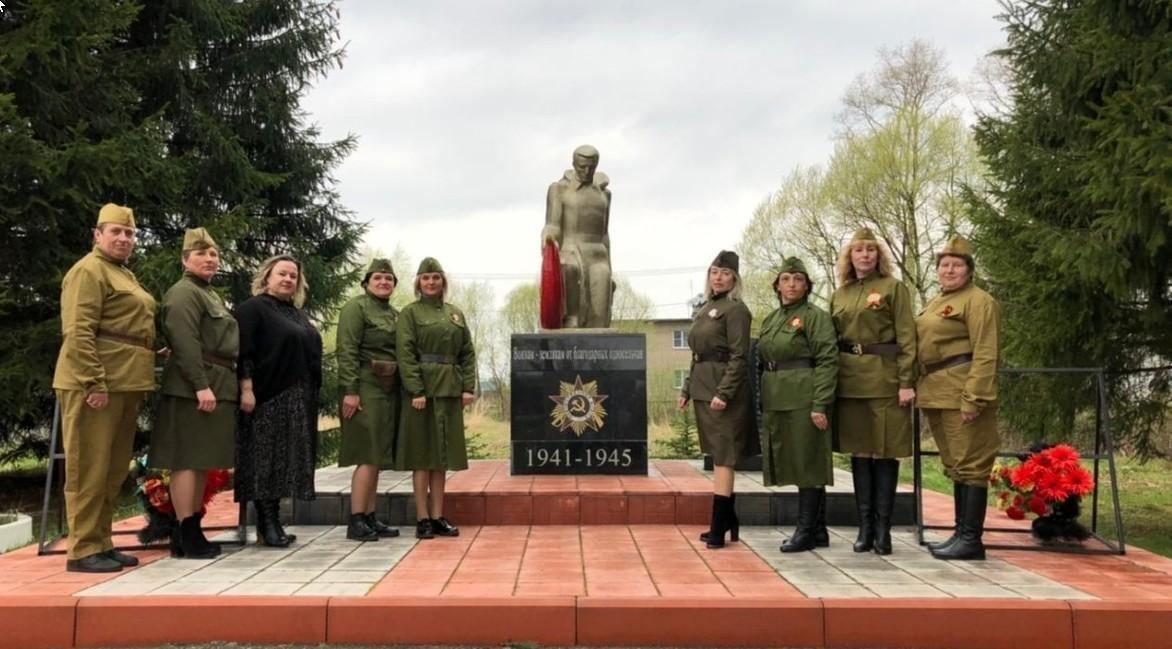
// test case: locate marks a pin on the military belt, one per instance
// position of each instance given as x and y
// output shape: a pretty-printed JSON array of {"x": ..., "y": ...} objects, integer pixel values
[
  {"x": 792, "y": 364},
  {"x": 442, "y": 359},
  {"x": 877, "y": 349},
  {"x": 220, "y": 360},
  {"x": 712, "y": 357},
  {"x": 951, "y": 361},
  {"x": 123, "y": 338}
]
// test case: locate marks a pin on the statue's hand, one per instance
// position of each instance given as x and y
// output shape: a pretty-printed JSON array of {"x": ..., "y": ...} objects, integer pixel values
[{"x": 549, "y": 235}]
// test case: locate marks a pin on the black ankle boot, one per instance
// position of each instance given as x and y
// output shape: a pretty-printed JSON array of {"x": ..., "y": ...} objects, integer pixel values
[
  {"x": 803, "y": 540},
  {"x": 423, "y": 529},
  {"x": 382, "y": 529},
  {"x": 189, "y": 540},
  {"x": 359, "y": 530},
  {"x": 886, "y": 478},
  {"x": 821, "y": 534},
  {"x": 722, "y": 521},
  {"x": 208, "y": 546},
  {"x": 177, "y": 539},
  {"x": 275, "y": 505},
  {"x": 958, "y": 492},
  {"x": 268, "y": 524},
  {"x": 443, "y": 527},
  {"x": 734, "y": 525},
  {"x": 968, "y": 546},
  {"x": 863, "y": 479}
]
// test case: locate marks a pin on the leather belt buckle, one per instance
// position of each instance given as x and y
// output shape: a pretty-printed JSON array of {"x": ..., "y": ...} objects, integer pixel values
[{"x": 857, "y": 349}]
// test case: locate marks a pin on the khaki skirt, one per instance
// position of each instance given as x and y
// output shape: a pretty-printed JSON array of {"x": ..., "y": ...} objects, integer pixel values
[
  {"x": 727, "y": 435},
  {"x": 872, "y": 427}
]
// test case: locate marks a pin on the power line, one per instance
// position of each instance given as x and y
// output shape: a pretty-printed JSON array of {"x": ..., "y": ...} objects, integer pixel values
[{"x": 646, "y": 272}]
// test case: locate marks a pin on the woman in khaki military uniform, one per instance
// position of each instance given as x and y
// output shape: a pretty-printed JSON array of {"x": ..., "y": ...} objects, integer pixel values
[
  {"x": 797, "y": 354},
  {"x": 437, "y": 369},
  {"x": 196, "y": 418},
  {"x": 718, "y": 386},
  {"x": 872, "y": 312},
  {"x": 959, "y": 339},
  {"x": 104, "y": 371},
  {"x": 367, "y": 371}
]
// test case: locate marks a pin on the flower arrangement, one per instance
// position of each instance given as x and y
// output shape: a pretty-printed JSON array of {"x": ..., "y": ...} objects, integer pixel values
[
  {"x": 154, "y": 492},
  {"x": 1047, "y": 484}
]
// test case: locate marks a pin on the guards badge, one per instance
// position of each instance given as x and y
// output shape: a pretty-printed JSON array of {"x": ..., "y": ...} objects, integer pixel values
[{"x": 578, "y": 407}]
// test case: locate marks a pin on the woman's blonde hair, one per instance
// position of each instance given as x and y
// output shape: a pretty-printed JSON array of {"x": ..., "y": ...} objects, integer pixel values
[
  {"x": 733, "y": 294},
  {"x": 260, "y": 280},
  {"x": 845, "y": 270}
]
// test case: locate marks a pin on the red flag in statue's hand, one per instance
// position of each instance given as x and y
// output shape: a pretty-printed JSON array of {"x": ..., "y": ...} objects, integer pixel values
[{"x": 552, "y": 300}]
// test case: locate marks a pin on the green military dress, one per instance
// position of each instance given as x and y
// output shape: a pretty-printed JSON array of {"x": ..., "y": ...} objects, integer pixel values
[
  {"x": 367, "y": 367},
  {"x": 436, "y": 360},
  {"x": 797, "y": 354},
  {"x": 720, "y": 343},
  {"x": 205, "y": 341},
  {"x": 868, "y": 419},
  {"x": 953, "y": 327}
]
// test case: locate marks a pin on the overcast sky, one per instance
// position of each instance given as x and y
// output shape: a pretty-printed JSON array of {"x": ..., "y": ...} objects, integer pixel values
[{"x": 465, "y": 111}]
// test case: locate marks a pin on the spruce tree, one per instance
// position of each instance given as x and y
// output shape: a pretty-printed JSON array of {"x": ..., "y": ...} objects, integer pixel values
[
  {"x": 71, "y": 138},
  {"x": 1075, "y": 232},
  {"x": 187, "y": 111}
]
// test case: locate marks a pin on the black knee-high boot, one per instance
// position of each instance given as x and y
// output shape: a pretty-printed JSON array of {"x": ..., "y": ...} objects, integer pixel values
[
  {"x": 821, "y": 534},
  {"x": 969, "y": 546},
  {"x": 958, "y": 494},
  {"x": 863, "y": 479},
  {"x": 803, "y": 539},
  {"x": 886, "y": 477}
]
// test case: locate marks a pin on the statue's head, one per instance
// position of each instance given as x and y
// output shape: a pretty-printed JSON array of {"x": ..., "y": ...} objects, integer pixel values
[{"x": 585, "y": 162}]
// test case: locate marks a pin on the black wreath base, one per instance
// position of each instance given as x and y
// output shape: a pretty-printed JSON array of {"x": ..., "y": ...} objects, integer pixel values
[{"x": 1062, "y": 525}]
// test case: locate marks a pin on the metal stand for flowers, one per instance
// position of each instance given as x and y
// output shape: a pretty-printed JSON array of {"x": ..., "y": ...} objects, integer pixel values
[
  {"x": 55, "y": 483},
  {"x": 1104, "y": 449}
]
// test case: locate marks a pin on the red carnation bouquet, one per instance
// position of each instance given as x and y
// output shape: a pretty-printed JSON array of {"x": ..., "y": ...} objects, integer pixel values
[{"x": 1047, "y": 485}]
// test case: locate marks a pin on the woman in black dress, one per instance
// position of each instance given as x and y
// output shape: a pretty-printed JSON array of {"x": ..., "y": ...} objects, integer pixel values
[{"x": 280, "y": 376}]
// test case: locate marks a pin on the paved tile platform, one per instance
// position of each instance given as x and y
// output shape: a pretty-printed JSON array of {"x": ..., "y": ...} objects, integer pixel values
[{"x": 622, "y": 584}]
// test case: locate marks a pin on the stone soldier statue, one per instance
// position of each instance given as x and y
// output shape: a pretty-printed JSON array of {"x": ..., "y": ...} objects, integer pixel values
[{"x": 577, "y": 217}]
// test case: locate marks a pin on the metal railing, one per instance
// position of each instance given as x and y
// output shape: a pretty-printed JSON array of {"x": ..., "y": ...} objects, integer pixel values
[{"x": 1103, "y": 450}]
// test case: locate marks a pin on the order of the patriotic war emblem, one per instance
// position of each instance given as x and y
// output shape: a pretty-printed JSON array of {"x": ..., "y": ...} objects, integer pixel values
[{"x": 578, "y": 407}]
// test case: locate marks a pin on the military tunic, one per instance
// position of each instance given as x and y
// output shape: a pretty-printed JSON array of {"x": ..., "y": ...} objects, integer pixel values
[
  {"x": 954, "y": 324},
  {"x": 437, "y": 361},
  {"x": 366, "y": 367},
  {"x": 204, "y": 340},
  {"x": 719, "y": 340},
  {"x": 108, "y": 327},
  {"x": 795, "y": 451},
  {"x": 868, "y": 418}
]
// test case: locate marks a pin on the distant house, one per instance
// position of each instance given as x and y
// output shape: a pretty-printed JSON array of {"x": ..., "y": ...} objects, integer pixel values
[{"x": 668, "y": 360}]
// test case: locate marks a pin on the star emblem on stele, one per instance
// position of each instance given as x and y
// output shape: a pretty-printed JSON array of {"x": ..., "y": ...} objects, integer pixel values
[{"x": 578, "y": 407}]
